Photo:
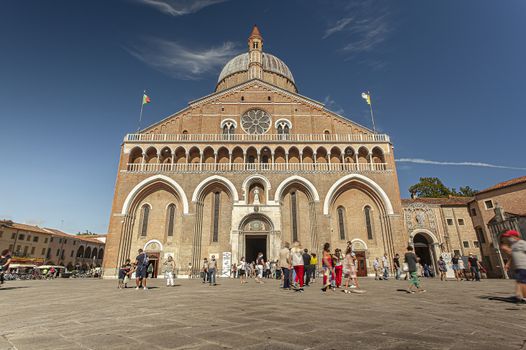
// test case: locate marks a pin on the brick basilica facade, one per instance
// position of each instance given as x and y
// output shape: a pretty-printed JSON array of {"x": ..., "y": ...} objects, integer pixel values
[{"x": 250, "y": 166}]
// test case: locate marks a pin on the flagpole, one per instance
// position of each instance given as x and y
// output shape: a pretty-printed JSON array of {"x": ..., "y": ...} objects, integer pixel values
[
  {"x": 140, "y": 115},
  {"x": 371, "y": 108}
]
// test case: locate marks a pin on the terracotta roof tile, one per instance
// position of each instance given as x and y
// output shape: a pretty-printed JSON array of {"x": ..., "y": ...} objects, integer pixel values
[
  {"x": 439, "y": 201},
  {"x": 515, "y": 181}
]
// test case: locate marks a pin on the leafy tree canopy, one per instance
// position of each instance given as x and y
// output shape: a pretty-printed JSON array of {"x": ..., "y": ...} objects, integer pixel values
[{"x": 433, "y": 187}]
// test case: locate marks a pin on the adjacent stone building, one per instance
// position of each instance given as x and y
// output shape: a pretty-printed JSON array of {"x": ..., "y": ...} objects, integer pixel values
[{"x": 33, "y": 245}]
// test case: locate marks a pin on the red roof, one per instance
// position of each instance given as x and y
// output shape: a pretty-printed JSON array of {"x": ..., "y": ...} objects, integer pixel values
[
  {"x": 516, "y": 181},
  {"x": 439, "y": 201}
]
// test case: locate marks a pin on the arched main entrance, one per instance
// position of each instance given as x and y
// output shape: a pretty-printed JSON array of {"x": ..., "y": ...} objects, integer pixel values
[
  {"x": 425, "y": 248},
  {"x": 153, "y": 250},
  {"x": 256, "y": 231}
]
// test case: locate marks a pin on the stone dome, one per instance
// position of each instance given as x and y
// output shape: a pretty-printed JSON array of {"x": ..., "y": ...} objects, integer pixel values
[{"x": 270, "y": 64}]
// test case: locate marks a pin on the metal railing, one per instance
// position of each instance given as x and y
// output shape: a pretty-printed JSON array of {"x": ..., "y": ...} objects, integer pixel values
[
  {"x": 251, "y": 167},
  {"x": 256, "y": 138}
]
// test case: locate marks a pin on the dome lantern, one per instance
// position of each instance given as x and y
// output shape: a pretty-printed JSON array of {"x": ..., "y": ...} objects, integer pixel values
[{"x": 255, "y": 48}]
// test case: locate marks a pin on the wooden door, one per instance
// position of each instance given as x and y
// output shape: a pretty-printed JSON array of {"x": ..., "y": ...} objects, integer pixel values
[{"x": 361, "y": 265}]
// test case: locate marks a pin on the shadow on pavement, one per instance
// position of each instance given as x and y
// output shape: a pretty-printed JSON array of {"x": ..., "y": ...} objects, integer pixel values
[
  {"x": 511, "y": 299},
  {"x": 9, "y": 288}
]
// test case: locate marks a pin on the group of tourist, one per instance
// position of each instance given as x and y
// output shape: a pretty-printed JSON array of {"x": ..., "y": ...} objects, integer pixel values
[{"x": 296, "y": 268}]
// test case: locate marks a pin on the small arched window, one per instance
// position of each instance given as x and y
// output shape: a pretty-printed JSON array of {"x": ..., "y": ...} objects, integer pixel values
[
  {"x": 170, "y": 220},
  {"x": 341, "y": 222},
  {"x": 143, "y": 223},
  {"x": 368, "y": 222},
  {"x": 283, "y": 127}
]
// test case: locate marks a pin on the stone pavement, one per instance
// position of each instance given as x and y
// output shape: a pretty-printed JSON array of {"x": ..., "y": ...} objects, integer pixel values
[{"x": 93, "y": 314}]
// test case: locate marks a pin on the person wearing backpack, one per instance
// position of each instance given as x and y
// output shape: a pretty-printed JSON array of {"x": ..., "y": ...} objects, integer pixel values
[{"x": 142, "y": 262}]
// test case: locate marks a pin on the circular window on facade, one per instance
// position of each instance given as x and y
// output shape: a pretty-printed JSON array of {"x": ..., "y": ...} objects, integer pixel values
[{"x": 255, "y": 121}]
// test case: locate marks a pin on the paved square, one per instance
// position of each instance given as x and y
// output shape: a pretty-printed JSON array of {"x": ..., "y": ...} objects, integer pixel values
[{"x": 94, "y": 314}]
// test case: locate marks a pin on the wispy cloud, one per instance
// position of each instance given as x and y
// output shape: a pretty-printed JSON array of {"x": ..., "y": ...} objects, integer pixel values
[
  {"x": 364, "y": 27},
  {"x": 180, "y": 61},
  {"x": 330, "y": 104},
  {"x": 472, "y": 164},
  {"x": 338, "y": 26},
  {"x": 179, "y": 7}
]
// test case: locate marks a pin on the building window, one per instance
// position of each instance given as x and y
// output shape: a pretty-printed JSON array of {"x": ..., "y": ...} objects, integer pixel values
[
  {"x": 171, "y": 219},
  {"x": 58, "y": 252},
  {"x": 466, "y": 244},
  {"x": 476, "y": 244},
  {"x": 145, "y": 215},
  {"x": 28, "y": 238},
  {"x": 43, "y": 251},
  {"x": 45, "y": 240},
  {"x": 48, "y": 254},
  {"x": 473, "y": 212},
  {"x": 33, "y": 250},
  {"x": 368, "y": 222},
  {"x": 74, "y": 242},
  {"x": 21, "y": 237},
  {"x": 461, "y": 222},
  {"x": 449, "y": 222},
  {"x": 25, "y": 250},
  {"x": 65, "y": 241},
  {"x": 1, "y": 234},
  {"x": 35, "y": 239},
  {"x": 13, "y": 235},
  {"x": 488, "y": 204},
  {"x": 72, "y": 252},
  {"x": 294, "y": 215},
  {"x": 480, "y": 235},
  {"x": 215, "y": 228},
  {"x": 51, "y": 240},
  {"x": 341, "y": 222}
]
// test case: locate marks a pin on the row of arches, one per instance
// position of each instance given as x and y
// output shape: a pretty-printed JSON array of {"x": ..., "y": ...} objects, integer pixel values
[
  {"x": 90, "y": 253},
  {"x": 252, "y": 154}
]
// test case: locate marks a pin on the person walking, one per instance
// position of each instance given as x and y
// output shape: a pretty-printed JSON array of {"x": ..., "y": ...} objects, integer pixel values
[
  {"x": 456, "y": 267},
  {"x": 123, "y": 273},
  {"x": 396, "y": 266},
  {"x": 328, "y": 269},
  {"x": 285, "y": 263},
  {"x": 5, "y": 261},
  {"x": 141, "y": 261},
  {"x": 376, "y": 267},
  {"x": 306, "y": 263},
  {"x": 298, "y": 265},
  {"x": 338, "y": 267},
  {"x": 260, "y": 266},
  {"x": 242, "y": 270},
  {"x": 412, "y": 261},
  {"x": 169, "y": 271},
  {"x": 474, "y": 267},
  {"x": 442, "y": 268},
  {"x": 349, "y": 270},
  {"x": 212, "y": 267},
  {"x": 204, "y": 270},
  {"x": 385, "y": 265},
  {"x": 515, "y": 247},
  {"x": 314, "y": 266}
]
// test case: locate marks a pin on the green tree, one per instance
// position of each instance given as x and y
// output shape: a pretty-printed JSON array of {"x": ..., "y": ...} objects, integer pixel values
[{"x": 430, "y": 187}]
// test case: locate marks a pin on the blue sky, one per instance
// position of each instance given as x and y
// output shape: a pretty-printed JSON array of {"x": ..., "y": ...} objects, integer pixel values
[{"x": 448, "y": 81}]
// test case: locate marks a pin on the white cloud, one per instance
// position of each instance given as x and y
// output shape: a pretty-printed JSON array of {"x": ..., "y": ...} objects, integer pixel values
[
  {"x": 183, "y": 62},
  {"x": 179, "y": 7},
  {"x": 338, "y": 26},
  {"x": 331, "y": 105},
  {"x": 473, "y": 164}
]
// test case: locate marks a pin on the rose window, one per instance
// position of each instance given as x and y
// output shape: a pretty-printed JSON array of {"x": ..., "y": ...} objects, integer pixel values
[{"x": 255, "y": 121}]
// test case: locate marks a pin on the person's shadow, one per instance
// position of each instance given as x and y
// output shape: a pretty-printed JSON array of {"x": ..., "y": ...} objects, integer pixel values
[
  {"x": 9, "y": 288},
  {"x": 511, "y": 299}
]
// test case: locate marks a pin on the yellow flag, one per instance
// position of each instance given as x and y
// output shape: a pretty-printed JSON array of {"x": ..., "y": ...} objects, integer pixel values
[{"x": 366, "y": 97}]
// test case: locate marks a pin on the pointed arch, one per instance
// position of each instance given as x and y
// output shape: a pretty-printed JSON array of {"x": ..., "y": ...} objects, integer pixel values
[
  {"x": 215, "y": 178},
  {"x": 295, "y": 178},
  {"x": 150, "y": 181},
  {"x": 329, "y": 198},
  {"x": 254, "y": 179}
]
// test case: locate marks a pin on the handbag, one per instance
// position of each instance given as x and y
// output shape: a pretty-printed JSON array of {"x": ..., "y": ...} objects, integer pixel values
[{"x": 405, "y": 267}]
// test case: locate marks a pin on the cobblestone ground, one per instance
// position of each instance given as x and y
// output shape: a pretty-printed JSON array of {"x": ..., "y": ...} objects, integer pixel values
[{"x": 93, "y": 314}]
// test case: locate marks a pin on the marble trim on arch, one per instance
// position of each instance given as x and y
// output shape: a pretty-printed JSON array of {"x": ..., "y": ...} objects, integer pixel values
[
  {"x": 361, "y": 241},
  {"x": 153, "y": 241},
  {"x": 364, "y": 179},
  {"x": 425, "y": 232},
  {"x": 150, "y": 180},
  {"x": 291, "y": 179},
  {"x": 199, "y": 188}
]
